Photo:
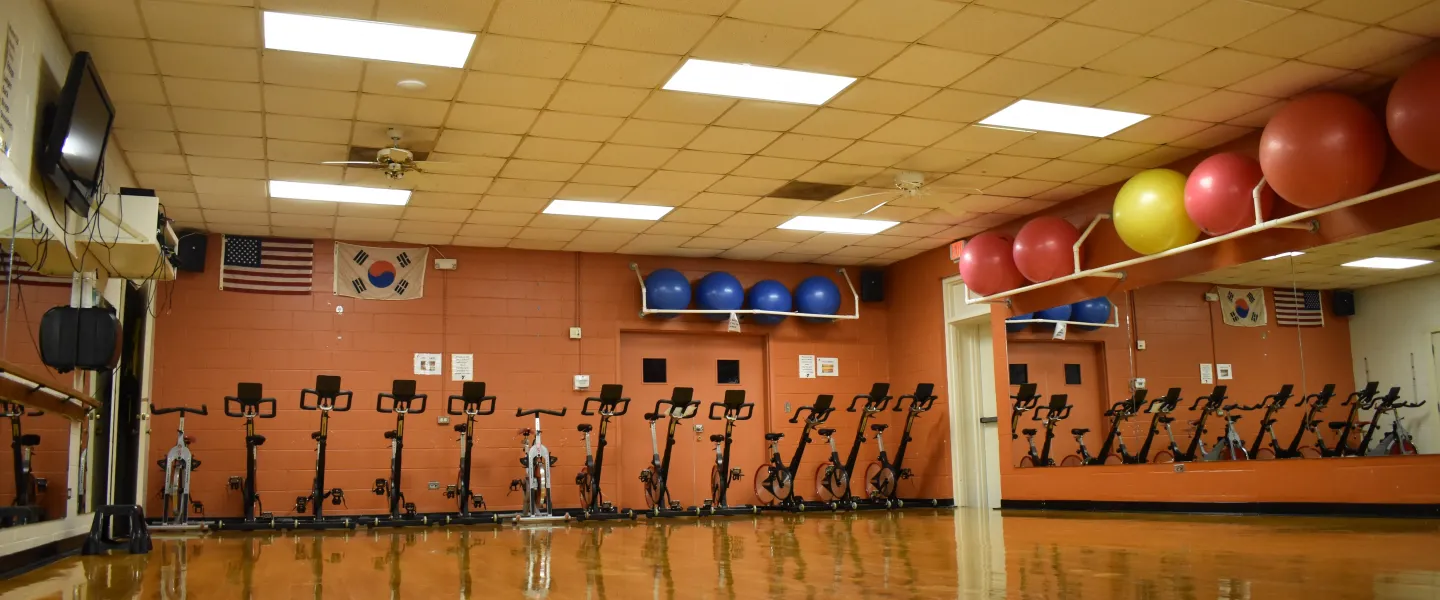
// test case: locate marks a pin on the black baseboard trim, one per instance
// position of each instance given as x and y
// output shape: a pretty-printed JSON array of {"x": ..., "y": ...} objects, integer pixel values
[
  {"x": 1342, "y": 509},
  {"x": 25, "y": 561}
]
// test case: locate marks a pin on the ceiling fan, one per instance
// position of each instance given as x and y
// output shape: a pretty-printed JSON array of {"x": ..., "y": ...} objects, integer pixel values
[
  {"x": 907, "y": 184},
  {"x": 394, "y": 162}
]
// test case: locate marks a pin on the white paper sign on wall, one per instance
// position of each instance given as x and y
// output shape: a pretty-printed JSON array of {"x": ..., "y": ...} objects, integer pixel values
[
  {"x": 807, "y": 366},
  {"x": 1059, "y": 332},
  {"x": 1207, "y": 373},
  {"x": 1224, "y": 371},
  {"x": 462, "y": 367},
  {"x": 427, "y": 364},
  {"x": 828, "y": 367}
]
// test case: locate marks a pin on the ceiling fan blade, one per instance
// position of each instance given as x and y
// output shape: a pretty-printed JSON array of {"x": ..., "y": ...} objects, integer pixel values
[
  {"x": 369, "y": 163},
  {"x": 952, "y": 189},
  {"x": 434, "y": 163},
  {"x": 875, "y": 208},
  {"x": 866, "y": 196}
]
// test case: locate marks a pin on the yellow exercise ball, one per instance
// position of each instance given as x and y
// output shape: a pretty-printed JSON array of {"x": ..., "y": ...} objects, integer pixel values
[{"x": 1149, "y": 212}]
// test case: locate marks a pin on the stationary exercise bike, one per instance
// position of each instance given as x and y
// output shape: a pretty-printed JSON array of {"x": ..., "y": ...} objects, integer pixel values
[
  {"x": 1308, "y": 424},
  {"x": 1025, "y": 400},
  {"x": 1397, "y": 441},
  {"x": 472, "y": 403},
  {"x": 248, "y": 403},
  {"x": 1212, "y": 404},
  {"x": 1055, "y": 412},
  {"x": 327, "y": 399},
  {"x": 22, "y": 446},
  {"x": 611, "y": 403},
  {"x": 774, "y": 480},
  {"x": 882, "y": 477},
  {"x": 178, "y": 464},
  {"x": 733, "y": 409},
  {"x": 402, "y": 399},
  {"x": 1381, "y": 405},
  {"x": 538, "y": 463},
  {"x": 1358, "y": 400},
  {"x": 832, "y": 478},
  {"x": 1272, "y": 404},
  {"x": 656, "y": 476},
  {"x": 1159, "y": 410},
  {"x": 1119, "y": 413}
]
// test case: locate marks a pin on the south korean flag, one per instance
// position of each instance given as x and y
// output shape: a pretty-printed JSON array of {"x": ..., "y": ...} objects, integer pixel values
[{"x": 372, "y": 273}]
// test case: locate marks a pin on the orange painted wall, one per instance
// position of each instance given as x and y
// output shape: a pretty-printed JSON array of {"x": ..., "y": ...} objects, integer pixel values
[
  {"x": 916, "y": 331},
  {"x": 51, "y": 458},
  {"x": 511, "y": 308}
]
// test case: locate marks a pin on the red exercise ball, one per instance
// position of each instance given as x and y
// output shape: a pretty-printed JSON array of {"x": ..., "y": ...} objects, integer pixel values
[
  {"x": 1413, "y": 113},
  {"x": 986, "y": 264},
  {"x": 1322, "y": 148},
  {"x": 1044, "y": 248},
  {"x": 1218, "y": 194}
]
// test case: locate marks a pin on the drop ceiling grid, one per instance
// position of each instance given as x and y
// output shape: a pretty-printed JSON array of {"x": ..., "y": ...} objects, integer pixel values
[
  {"x": 1320, "y": 267},
  {"x": 1211, "y": 70}
]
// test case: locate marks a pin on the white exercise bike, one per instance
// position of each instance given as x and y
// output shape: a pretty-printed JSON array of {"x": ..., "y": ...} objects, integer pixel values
[{"x": 536, "y": 482}]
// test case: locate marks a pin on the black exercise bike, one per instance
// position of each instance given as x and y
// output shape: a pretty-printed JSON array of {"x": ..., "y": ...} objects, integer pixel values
[
  {"x": 327, "y": 399},
  {"x": 472, "y": 402},
  {"x": 882, "y": 477},
  {"x": 1159, "y": 410},
  {"x": 732, "y": 410},
  {"x": 1271, "y": 404},
  {"x": 774, "y": 480},
  {"x": 22, "y": 446},
  {"x": 656, "y": 477},
  {"x": 1113, "y": 451},
  {"x": 1053, "y": 413},
  {"x": 832, "y": 478},
  {"x": 610, "y": 404},
  {"x": 402, "y": 401},
  {"x": 249, "y": 403},
  {"x": 1308, "y": 424}
]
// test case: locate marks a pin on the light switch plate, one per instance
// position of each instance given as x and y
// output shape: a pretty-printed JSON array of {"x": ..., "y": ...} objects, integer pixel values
[
  {"x": 434, "y": 485},
  {"x": 1138, "y": 383},
  {"x": 574, "y": 333},
  {"x": 1139, "y": 344}
]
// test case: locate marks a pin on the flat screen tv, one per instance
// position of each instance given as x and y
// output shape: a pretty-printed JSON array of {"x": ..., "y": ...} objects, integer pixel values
[{"x": 77, "y": 127}]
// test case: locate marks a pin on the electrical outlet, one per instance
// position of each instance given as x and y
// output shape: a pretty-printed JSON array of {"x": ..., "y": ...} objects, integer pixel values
[
  {"x": 434, "y": 485},
  {"x": 442, "y": 420},
  {"x": 1179, "y": 467},
  {"x": 1139, "y": 344},
  {"x": 787, "y": 408},
  {"x": 574, "y": 333},
  {"x": 1138, "y": 383}
]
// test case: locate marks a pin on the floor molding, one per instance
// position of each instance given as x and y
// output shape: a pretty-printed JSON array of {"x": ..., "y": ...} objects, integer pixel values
[
  {"x": 1344, "y": 509},
  {"x": 30, "y": 559}
]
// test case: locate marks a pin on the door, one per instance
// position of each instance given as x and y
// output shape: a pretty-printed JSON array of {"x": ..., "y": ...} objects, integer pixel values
[
  {"x": 972, "y": 391},
  {"x": 652, "y": 365},
  {"x": 1060, "y": 367}
]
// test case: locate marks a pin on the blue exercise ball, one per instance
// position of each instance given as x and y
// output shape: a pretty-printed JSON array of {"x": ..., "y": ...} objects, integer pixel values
[
  {"x": 1014, "y": 327},
  {"x": 667, "y": 289},
  {"x": 719, "y": 291},
  {"x": 1094, "y": 310},
  {"x": 769, "y": 295},
  {"x": 817, "y": 296},
  {"x": 1059, "y": 313}
]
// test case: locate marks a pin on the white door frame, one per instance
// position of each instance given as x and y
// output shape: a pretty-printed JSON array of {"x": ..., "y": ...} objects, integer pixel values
[{"x": 974, "y": 460}]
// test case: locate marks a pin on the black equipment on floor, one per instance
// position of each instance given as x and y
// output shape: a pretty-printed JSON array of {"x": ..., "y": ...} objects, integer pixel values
[
  {"x": 1053, "y": 413},
  {"x": 249, "y": 403},
  {"x": 79, "y": 338},
  {"x": 882, "y": 478},
  {"x": 22, "y": 447},
  {"x": 401, "y": 401},
  {"x": 1309, "y": 423},
  {"x": 833, "y": 478},
  {"x": 609, "y": 404},
  {"x": 1212, "y": 404},
  {"x": 327, "y": 399},
  {"x": 776, "y": 479},
  {"x": 733, "y": 409},
  {"x": 472, "y": 402},
  {"x": 1159, "y": 410},
  {"x": 1358, "y": 400},
  {"x": 1272, "y": 404},
  {"x": 118, "y": 518},
  {"x": 655, "y": 477}
]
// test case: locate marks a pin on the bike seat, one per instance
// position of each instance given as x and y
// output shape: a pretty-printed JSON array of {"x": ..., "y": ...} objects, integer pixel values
[
  {"x": 773, "y": 437},
  {"x": 460, "y": 428},
  {"x": 1165, "y": 419},
  {"x": 1079, "y": 431},
  {"x": 584, "y": 428},
  {"x": 825, "y": 432},
  {"x": 255, "y": 440},
  {"x": 879, "y": 427},
  {"x": 30, "y": 439},
  {"x": 189, "y": 439},
  {"x": 1338, "y": 425},
  {"x": 1028, "y": 431},
  {"x": 717, "y": 438}
]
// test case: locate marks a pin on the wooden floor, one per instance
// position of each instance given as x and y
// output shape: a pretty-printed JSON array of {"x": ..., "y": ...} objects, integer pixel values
[{"x": 874, "y": 555}]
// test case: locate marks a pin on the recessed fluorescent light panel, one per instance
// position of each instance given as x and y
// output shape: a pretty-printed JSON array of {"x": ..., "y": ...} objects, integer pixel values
[
  {"x": 1284, "y": 255},
  {"x": 837, "y": 225},
  {"x": 366, "y": 39},
  {"x": 609, "y": 210},
  {"x": 338, "y": 193},
  {"x": 1063, "y": 118},
  {"x": 760, "y": 83},
  {"x": 1381, "y": 262}
]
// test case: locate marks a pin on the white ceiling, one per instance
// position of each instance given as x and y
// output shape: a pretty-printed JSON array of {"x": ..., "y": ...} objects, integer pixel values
[
  {"x": 1319, "y": 268},
  {"x": 561, "y": 99}
]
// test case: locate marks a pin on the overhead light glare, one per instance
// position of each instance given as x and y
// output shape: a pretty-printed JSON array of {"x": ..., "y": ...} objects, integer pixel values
[
  {"x": 1381, "y": 262},
  {"x": 760, "y": 83},
  {"x": 1063, "y": 118},
  {"x": 607, "y": 210},
  {"x": 1284, "y": 255},
  {"x": 838, "y": 225},
  {"x": 338, "y": 193},
  {"x": 367, "y": 39}
]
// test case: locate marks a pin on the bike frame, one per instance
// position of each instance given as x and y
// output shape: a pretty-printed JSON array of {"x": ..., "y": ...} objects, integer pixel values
[
  {"x": 1159, "y": 407},
  {"x": 178, "y": 464},
  {"x": 1025, "y": 399},
  {"x": 1382, "y": 405},
  {"x": 1272, "y": 404},
  {"x": 819, "y": 413},
  {"x": 1357, "y": 400},
  {"x": 1212, "y": 405},
  {"x": 1317, "y": 401},
  {"x": 248, "y": 403},
  {"x": 680, "y": 405},
  {"x": 472, "y": 403},
  {"x": 921, "y": 401},
  {"x": 327, "y": 395},
  {"x": 875, "y": 401},
  {"x": 402, "y": 399},
  {"x": 611, "y": 403},
  {"x": 22, "y": 447},
  {"x": 537, "y": 454},
  {"x": 733, "y": 409},
  {"x": 1119, "y": 413},
  {"x": 1058, "y": 410}
]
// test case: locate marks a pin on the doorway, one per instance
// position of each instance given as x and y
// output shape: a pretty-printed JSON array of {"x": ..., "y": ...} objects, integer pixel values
[
  {"x": 970, "y": 356},
  {"x": 652, "y": 366}
]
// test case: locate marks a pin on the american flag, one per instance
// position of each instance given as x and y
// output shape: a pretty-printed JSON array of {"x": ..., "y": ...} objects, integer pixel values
[
  {"x": 26, "y": 275},
  {"x": 1299, "y": 308},
  {"x": 267, "y": 265}
]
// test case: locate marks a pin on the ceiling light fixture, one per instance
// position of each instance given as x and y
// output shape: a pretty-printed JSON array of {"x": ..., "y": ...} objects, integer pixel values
[
  {"x": 338, "y": 193},
  {"x": 1063, "y": 118},
  {"x": 760, "y": 83},
  {"x": 838, "y": 225},
  {"x": 1283, "y": 255},
  {"x": 1380, "y": 262},
  {"x": 608, "y": 210},
  {"x": 367, "y": 39}
]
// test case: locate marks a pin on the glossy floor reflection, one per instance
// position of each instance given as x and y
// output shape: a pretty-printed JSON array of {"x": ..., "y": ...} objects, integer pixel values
[{"x": 913, "y": 554}]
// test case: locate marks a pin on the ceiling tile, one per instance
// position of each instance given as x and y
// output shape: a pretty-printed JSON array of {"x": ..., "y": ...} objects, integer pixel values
[
  {"x": 810, "y": 14},
  {"x": 1214, "y": 136},
  {"x": 1421, "y": 21},
  {"x": 1258, "y": 118},
  {"x": 560, "y": 222},
  {"x": 241, "y": 203},
  {"x": 441, "y": 215},
  {"x": 1084, "y": 87},
  {"x": 1220, "y": 22},
  {"x": 224, "y": 95},
  {"x": 402, "y": 111},
  {"x": 737, "y": 41},
  {"x": 226, "y": 186},
  {"x": 749, "y": 186},
  {"x": 494, "y": 119},
  {"x": 780, "y": 206},
  {"x": 219, "y": 122},
  {"x": 979, "y": 138},
  {"x": 620, "y": 155},
  {"x": 1368, "y": 11},
  {"x": 383, "y": 78},
  {"x": 223, "y": 146},
  {"x": 623, "y": 67},
  {"x": 303, "y": 152},
  {"x": 683, "y": 107},
  {"x": 598, "y": 241},
  {"x": 507, "y": 210},
  {"x": 139, "y": 89},
  {"x": 524, "y": 188},
  {"x": 1067, "y": 191},
  {"x": 1221, "y": 68},
  {"x": 844, "y": 174},
  {"x": 1010, "y": 77},
  {"x": 704, "y": 7},
  {"x": 1159, "y": 130},
  {"x": 537, "y": 148},
  {"x": 377, "y": 135},
  {"x": 477, "y": 144},
  {"x": 898, "y": 20},
  {"x": 939, "y": 160},
  {"x": 142, "y": 116},
  {"x": 303, "y": 172},
  {"x": 490, "y": 231},
  {"x": 227, "y": 167},
  {"x": 310, "y": 103},
  {"x": 207, "y": 62},
  {"x": 659, "y": 197},
  {"x": 1365, "y": 48},
  {"x": 805, "y": 147},
  {"x": 470, "y": 15},
  {"x": 843, "y": 55},
  {"x": 1219, "y": 106},
  {"x": 557, "y": 20},
  {"x": 593, "y": 99},
  {"x": 719, "y": 243},
  {"x": 539, "y": 170},
  {"x": 1069, "y": 44},
  {"x": 506, "y": 90},
  {"x": 1155, "y": 97},
  {"x": 1136, "y": 16},
  {"x": 116, "y": 55},
  {"x": 1288, "y": 79},
  {"x": 572, "y": 126},
  {"x": 968, "y": 183},
  {"x": 157, "y": 163},
  {"x": 470, "y": 166},
  {"x": 1148, "y": 56},
  {"x": 762, "y": 221},
  {"x": 927, "y": 65},
  {"x": 916, "y": 132},
  {"x": 481, "y": 242},
  {"x": 201, "y": 23},
  {"x": 1048, "y": 145},
  {"x": 682, "y": 181},
  {"x": 959, "y": 106},
  {"x": 697, "y": 216},
  {"x": 775, "y": 168},
  {"x": 233, "y": 217},
  {"x": 166, "y": 182},
  {"x": 298, "y": 69},
  {"x": 428, "y": 228},
  {"x": 649, "y": 30},
  {"x": 705, "y": 162},
  {"x": 730, "y": 202},
  {"x": 843, "y": 123},
  {"x": 755, "y": 250},
  {"x": 101, "y": 17},
  {"x": 1158, "y": 157},
  {"x": 770, "y": 116},
  {"x": 1295, "y": 35},
  {"x": 516, "y": 56},
  {"x": 871, "y": 95},
  {"x": 999, "y": 165},
  {"x": 1061, "y": 171},
  {"x": 655, "y": 133},
  {"x": 725, "y": 139},
  {"x": 985, "y": 30}
]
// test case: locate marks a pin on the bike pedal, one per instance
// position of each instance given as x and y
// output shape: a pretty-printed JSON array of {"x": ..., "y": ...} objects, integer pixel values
[
  {"x": 300, "y": 502},
  {"x": 736, "y": 474},
  {"x": 675, "y": 505},
  {"x": 514, "y": 486},
  {"x": 236, "y": 482},
  {"x": 410, "y": 509},
  {"x": 197, "y": 506},
  {"x": 477, "y": 501},
  {"x": 906, "y": 474},
  {"x": 645, "y": 476},
  {"x": 337, "y": 496},
  {"x": 451, "y": 491},
  {"x": 381, "y": 487}
]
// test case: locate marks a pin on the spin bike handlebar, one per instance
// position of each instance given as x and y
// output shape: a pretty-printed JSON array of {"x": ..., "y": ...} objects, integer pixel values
[
  {"x": 1365, "y": 396},
  {"x": 1277, "y": 400},
  {"x": 1124, "y": 408},
  {"x": 607, "y": 407},
  {"x": 321, "y": 403},
  {"x": 687, "y": 410},
  {"x": 520, "y": 412},
  {"x": 1213, "y": 401},
  {"x": 13, "y": 409},
  {"x": 471, "y": 406},
  {"x": 242, "y": 404},
  {"x": 917, "y": 405},
  {"x": 871, "y": 404},
  {"x": 819, "y": 412},
  {"x": 400, "y": 403},
  {"x": 738, "y": 412},
  {"x": 202, "y": 411},
  {"x": 1052, "y": 413}
]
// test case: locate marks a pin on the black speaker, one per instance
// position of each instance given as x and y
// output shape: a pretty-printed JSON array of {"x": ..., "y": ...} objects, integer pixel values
[
  {"x": 79, "y": 338},
  {"x": 1342, "y": 303},
  {"x": 872, "y": 286},
  {"x": 190, "y": 256}
]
